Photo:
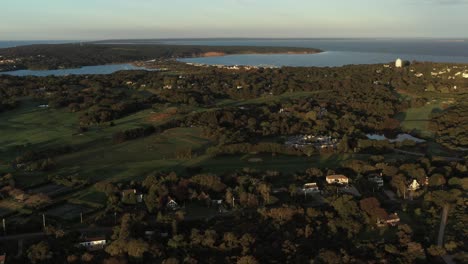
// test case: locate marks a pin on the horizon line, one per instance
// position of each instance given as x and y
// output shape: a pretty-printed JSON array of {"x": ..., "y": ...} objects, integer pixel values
[{"x": 246, "y": 38}]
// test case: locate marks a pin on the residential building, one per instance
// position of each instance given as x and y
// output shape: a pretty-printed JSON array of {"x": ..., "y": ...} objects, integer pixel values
[
  {"x": 172, "y": 205},
  {"x": 310, "y": 188},
  {"x": 414, "y": 185},
  {"x": 2, "y": 259},
  {"x": 93, "y": 243},
  {"x": 377, "y": 179},
  {"x": 392, "y": 219},
  {"x": 339, "y": 179},
  {"x": 128, "y": 194}
]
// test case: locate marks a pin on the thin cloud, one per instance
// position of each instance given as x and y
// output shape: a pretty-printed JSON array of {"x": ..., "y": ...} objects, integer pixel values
[{"x": 443, "y": 2}]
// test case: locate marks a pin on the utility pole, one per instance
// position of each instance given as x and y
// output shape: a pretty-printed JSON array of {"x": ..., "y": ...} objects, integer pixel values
[
  {"x": 115, "y": 218},
  {"x": 233, "y": 202},
  {"x": 4, "y": 226},
  {"x": 43, "y": 221},
  {"x": 81, "y": 217}
]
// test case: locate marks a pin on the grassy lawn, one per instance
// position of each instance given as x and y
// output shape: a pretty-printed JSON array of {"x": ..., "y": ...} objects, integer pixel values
[
  {"x": 417, "y": 119},
  {"x": 68, "y": 211},
  {"x": 96, "y": 157},
  {"x": 282, "y": 163},
  {"x": 8, "y": 206},
  {"x": 135, "y": 158},
  {"x": 29, "y": 125},
  {"x": 194, "y": 211},
  {"x": 269, "y": 98}
]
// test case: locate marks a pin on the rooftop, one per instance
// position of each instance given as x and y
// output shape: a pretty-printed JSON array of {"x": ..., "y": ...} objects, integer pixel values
[{"x": 338, "y": 176}]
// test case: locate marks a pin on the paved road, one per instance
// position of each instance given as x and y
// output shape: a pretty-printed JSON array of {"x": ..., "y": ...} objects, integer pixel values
[
  {"x": 443, "y": 224},
  {"x": 102, "y": 230},
  {"x": 390, "y": 194},
  {"x": 440, "y": 240}
]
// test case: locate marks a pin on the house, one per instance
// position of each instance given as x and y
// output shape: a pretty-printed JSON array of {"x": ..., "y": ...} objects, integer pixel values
[
  {"x": 93, "y": 243},
  {"x": 128, "y": 194},
  {"x": 377, "y": 179},
  {"x": 387, "y": 219},
  {"x": 339, "y": 179},
  {"x": 392, "y": 219},
  {"x": 465, "y": 75},
  {"x": 132, "y": 194},
  {"x": 216, "y": 202},
  {"x": 419, "y": 74},
  {"x": 280, "y": 190},
  {"x": 2, "y": 259},
  {"x": 310, "y": 188},
  {"x": 172, "y": 204},
  {"x": 414, "y": 185}
]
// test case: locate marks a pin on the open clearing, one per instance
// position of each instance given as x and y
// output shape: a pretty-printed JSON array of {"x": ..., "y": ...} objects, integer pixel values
[
  {"x": 417, "y": 119},
  {"x": 109, "y": 161},
  {"x": 68, "y": 211}
]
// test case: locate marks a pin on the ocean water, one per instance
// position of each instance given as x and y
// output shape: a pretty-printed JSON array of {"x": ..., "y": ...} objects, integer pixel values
[
  {"x": 338, "y": 52},
  {"x": 15, "y": 43},
  {"x": 99, "y": 69}
]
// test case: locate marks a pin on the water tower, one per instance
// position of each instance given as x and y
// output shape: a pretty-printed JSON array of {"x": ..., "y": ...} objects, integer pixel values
[{"x": 398, "y": 63}]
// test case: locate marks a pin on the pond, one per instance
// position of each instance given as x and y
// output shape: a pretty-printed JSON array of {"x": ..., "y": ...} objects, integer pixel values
[
  {"x": 98, "y": 69},
  {"x": 399, "y": 138}
]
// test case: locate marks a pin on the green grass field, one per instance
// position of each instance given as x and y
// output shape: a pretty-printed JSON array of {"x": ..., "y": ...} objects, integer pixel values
[
  {"x": 417, "y": 119},
  {"x": 281, "y": 163},
  {"x": 136, "y": 158},
  {"x": 268, "y": 98}
]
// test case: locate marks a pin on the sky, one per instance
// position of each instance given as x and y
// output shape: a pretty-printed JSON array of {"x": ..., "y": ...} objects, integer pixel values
[{"x": 127, "y": 19}]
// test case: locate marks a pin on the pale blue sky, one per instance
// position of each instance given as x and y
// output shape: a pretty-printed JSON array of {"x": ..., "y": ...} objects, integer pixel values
[{"x": 106, "y": 19}]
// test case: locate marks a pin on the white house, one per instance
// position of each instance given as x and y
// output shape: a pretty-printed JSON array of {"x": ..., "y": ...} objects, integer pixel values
[
  {"x": 465, "y": 75},
  {"x": 172, "y": 205},
  {"x": 414, "y": 185},
  {"x": 340, "y": 179},
  {"x": 419, "y": 74},
  {"x": 93, "y": 243},
  {"x": 398, "y": 63},
  {"x": 393, "y": 219},
  {"x": 310, "y": 188}
]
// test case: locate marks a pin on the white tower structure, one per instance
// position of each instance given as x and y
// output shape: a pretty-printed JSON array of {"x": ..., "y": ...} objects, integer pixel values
[{"x": 398, "y": 63}]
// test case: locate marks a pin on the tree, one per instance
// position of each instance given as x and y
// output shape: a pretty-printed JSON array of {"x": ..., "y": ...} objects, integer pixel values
[
  {"x": 436, "y": 251},
  {"x": 329, "y": 257},
  {"x": 39, "y": 252},
  {"x": 246, "y": 241},
  {"x": 137, "y": 247},
  {"x": 247, "y": 260},
  {"x": 264, "y": 190},
  {"x": 343, "y": 146},
  {"x": 87, "y": 257},
  {"x": 437, "y": 180}
]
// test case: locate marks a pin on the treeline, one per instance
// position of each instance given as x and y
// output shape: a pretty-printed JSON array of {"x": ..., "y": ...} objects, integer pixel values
[
  {"x": 262, "y": 147},
  {"x": 54, "y": 56},
  {"x": 451, "y": 126},
  {"x": 144, "y": 131}
]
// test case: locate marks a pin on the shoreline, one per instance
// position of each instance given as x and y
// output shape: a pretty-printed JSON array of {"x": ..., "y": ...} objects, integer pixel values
[{"x": 222, "y": 54}]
